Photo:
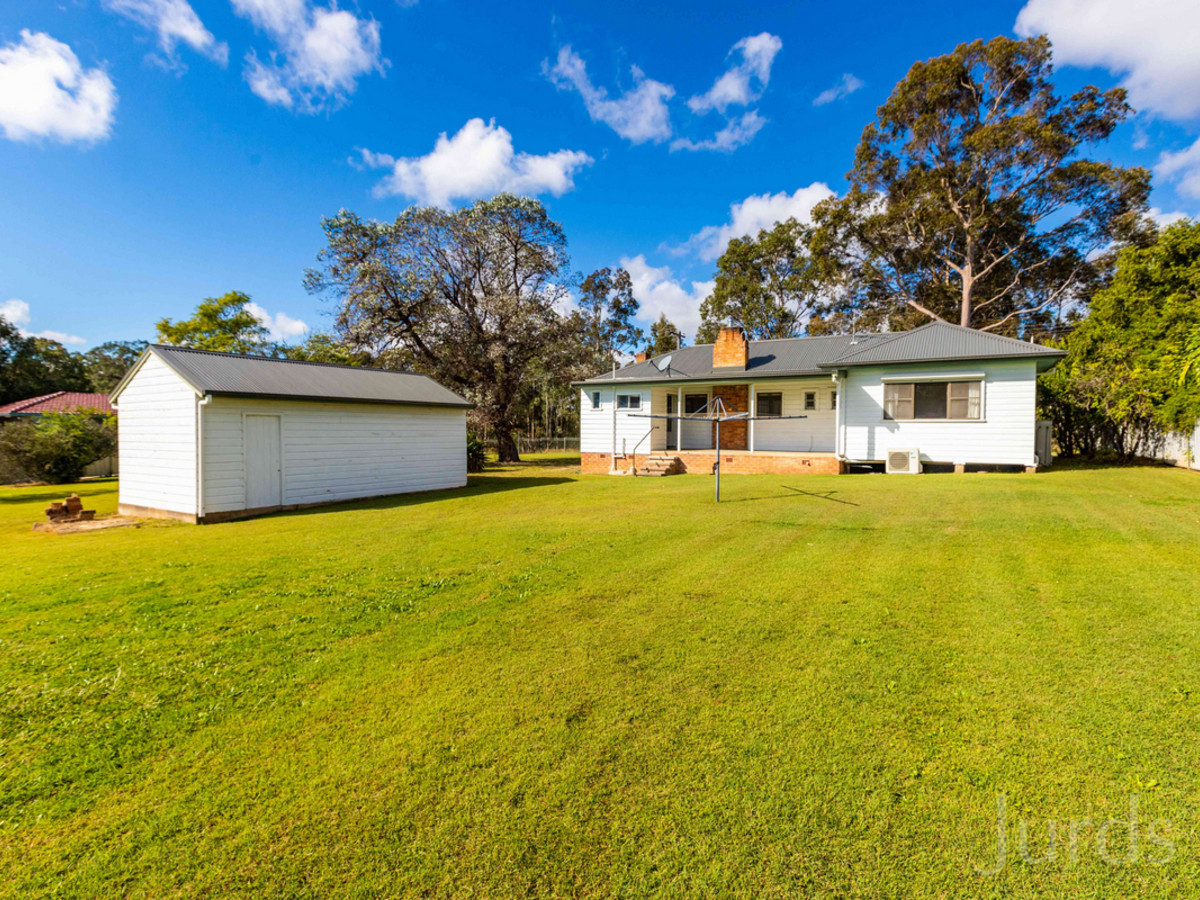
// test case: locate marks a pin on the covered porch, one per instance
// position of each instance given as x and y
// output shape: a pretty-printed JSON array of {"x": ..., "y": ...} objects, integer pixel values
[
  {"x": 785, "y": 415},
  {"x": 791, "y": 428}
]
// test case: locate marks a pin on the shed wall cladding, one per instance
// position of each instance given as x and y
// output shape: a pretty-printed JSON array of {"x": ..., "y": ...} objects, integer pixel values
[
  {"x": 336, "y": 451},
  {"x": 157, "y": 440},
  {"x": 816, "y": 433},
  {"x": 595, "y": 425},
  {"x": 1004, "y": 436}
]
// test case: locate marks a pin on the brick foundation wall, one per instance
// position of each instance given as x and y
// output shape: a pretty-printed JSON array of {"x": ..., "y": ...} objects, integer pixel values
[{"x": 700, "y": 463}]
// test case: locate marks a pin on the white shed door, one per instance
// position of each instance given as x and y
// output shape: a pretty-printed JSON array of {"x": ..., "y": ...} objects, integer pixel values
[{"x": 264, "y": 462}]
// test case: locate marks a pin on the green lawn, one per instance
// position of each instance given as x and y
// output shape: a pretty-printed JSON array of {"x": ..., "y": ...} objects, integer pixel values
[{"x": 547, "y": 685}]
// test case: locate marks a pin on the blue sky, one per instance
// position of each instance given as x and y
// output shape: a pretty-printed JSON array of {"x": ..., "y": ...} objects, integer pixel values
[{"x": 155, "y": 152}]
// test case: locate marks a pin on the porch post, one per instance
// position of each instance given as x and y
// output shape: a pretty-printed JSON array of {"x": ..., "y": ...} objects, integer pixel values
[
  {"x": 750, "y": 411},
  {"x": 679, "y": 421}
]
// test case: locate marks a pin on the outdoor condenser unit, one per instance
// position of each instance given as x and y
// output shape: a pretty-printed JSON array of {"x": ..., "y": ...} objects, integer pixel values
[{"x": 906, "y": 462}]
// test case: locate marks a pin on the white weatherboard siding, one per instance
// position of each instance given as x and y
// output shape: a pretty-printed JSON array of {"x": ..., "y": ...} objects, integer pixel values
[
  {"x": 596, "y": 425},
  {"x": 157, "y": 440},
  {"x": 1004, "y": 436},
  {"x": 815, "y": 433},
  {"x": 334, "y": 451}
]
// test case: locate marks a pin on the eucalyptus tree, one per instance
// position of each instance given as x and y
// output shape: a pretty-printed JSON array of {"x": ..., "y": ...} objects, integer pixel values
[
  {"x": 607, "y": 308},
  {"x": 972, "y": 198},
  {"x": 471, "y": 296},
  {"x": 765, "y": 284}
]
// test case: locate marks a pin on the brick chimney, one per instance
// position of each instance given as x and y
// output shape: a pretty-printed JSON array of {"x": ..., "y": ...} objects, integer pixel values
[
  {"x": 642, "y": 356},
  {"x": 731, "y": 350}
]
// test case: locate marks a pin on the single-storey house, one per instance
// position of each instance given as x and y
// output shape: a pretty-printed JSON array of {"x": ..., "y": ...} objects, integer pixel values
[
  {"x": 57, "y": 402},
  {"x": 73, "y": 402},
  {"x": 207, "y": 436},
  {"x": 937, "y": 394}
]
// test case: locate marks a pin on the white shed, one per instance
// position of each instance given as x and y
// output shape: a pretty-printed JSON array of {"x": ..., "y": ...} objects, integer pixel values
[{"x": 209, "y": 436}]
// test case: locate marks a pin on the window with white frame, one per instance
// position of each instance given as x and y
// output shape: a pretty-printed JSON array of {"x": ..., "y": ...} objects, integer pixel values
[
  {"x": 810, "y": 399},
  {"x": 768, "y": 405},
  {"x": 629, "y": 401},
  {"x": 961, "y": 400}
]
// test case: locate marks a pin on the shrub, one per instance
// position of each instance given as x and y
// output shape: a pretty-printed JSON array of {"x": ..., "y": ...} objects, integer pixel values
[
  {"x": 58, "y": 447},
  {"x": 476, "y": 453}
]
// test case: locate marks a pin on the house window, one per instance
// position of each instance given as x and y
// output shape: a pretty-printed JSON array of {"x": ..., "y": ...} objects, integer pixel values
[
  {"x": 768, "y": 404},
  {"x": 833, "y": 399},
  {"x": 810, "y": 399},
  {"x": 629, "y": 401},
  {"x": 595, "y": 399},
  {"x": 933, "y": 400},
  {"x": 694, "y": 403}
]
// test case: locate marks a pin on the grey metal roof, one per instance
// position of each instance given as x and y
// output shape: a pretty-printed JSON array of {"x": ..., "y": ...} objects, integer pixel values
[
  {"x": 791, "y": 357},
  {"x": 777, "y": 358},
  {"x": 238, "y": 375},
  {"x": 941, "y": 341}
]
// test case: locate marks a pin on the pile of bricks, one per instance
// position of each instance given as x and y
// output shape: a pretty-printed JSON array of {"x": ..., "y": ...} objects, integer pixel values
[{"x": 70, "y": 510}]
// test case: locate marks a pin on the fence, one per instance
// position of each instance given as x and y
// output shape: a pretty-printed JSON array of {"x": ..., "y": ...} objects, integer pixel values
[{"x": 546, "y": 444}]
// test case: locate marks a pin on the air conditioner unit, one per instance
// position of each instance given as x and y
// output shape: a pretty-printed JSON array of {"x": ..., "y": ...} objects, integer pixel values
[{"x": 906, "y": 462}]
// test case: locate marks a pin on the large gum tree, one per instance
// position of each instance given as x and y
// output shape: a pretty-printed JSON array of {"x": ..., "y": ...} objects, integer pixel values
[
  {"x": 972, "y": 199},
  {"x": 468, "y": 296}
]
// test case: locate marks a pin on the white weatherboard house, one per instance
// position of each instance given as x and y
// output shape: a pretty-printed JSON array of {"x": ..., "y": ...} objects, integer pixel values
[
  {"x": 940, "y": 394},
  {"x": 212, "y": 436}
]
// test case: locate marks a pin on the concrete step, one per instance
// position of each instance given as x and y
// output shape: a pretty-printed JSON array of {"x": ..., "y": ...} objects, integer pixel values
[{"x": 657, "y": 466}]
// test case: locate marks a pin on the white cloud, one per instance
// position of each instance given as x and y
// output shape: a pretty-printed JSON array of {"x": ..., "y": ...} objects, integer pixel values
[
  {"x": 46, "y": 93},
  {"x": 1182, "y": 167},
  {"x": 752, "y": 215},
  {"x": 639, "y": 115},
  {"x": 844, "y": 88},
  {"x": 477, "y": 161},
  {"x": 281, "y": 326},
  {"x": 322, "y": 52},
  {"x": 1152, "y": 43},
  {"x": 61, "y": 336},
  {"x": 744, "y": 81},
  {"x": 736, "y": 132},
  {"x": 658, "y": 292},
  {"x": 174, "y": 21},
  {"x": 16, "y": 312},
  {"x": 1164, "y": 219}
]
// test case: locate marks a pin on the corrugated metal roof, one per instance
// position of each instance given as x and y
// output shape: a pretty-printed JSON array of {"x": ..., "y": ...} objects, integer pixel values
[
  {"x": 234, "y": 374},
  {"x": 58, "y": 402},
  {"x": 767, "y": 359},
  {"x": 941, "y": 341},
  {"x": 937, "y": 341}
]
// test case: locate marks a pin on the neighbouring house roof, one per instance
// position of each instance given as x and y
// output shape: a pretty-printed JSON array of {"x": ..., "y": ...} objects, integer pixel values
[
  {"x": 58, "y": 402},
  {"x": 239, "y": 375},
  {"x": 794, "y": 357}
]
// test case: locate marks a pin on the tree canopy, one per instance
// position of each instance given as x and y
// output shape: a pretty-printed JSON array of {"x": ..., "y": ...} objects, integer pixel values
[
  {"x": 220, "y": 323},
  {"x": 971, "y": 199},
  {"x": 33, "y": 366},
  {"x": 765, "y": 284},
  {"x": 664, "y": 336},
  {"x": 107, "y": 363},
  {"x": 470, "y": 296},
  {"x": 607, "y": 309},
  {"x": 1122, "y": 383}
]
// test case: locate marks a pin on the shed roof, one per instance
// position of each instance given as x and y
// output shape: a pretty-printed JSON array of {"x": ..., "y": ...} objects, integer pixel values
[
  {"x": 793, "y": 357},
  {"x": 241, "y": 375},
  {"x": 58, "y": 402}
]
